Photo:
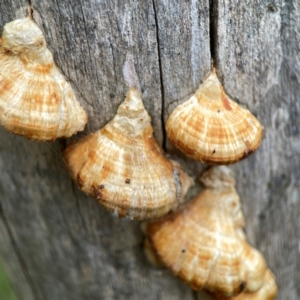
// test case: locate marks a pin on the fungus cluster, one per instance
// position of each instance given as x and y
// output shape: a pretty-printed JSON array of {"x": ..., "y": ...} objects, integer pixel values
[
  {"x": 123, "y": 167},
  {"x": 203, "y": 243}
]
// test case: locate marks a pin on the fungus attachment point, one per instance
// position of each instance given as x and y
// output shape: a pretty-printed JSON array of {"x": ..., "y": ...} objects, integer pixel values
[
  {"x": 213, "y": 129},
  {"x": 216, "y": 256},
  {"x": 35, "y": 99},
  {"x": 125, "y": 158}
]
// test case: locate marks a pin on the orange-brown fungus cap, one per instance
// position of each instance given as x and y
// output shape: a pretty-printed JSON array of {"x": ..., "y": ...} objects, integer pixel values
[
  {"x": 268, "y": 291},
  {"x": 123, "y": 167},
  {"x": 213, "y": 129},
  {"x": 35, "y": 99},
  {"x": 200, "y": 243}
]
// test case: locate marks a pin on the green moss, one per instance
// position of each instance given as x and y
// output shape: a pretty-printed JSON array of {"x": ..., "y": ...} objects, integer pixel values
[{"x": 6, "y": 291}]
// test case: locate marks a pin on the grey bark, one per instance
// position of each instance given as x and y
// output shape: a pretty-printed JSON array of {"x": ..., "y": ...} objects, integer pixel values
[{"x": 57, "y": 243}]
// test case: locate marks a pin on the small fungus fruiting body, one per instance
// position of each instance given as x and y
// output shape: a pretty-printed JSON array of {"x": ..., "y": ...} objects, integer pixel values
[
  {"x": 202, "y": 242},
  {"x": 123, "y": 167},
  {"x": 213, "y": 129},
  {"x": 268, "y": 291},
  {"x": 35, "y": 99}
]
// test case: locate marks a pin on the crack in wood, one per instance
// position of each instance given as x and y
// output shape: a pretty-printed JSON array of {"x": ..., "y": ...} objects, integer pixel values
[
  {"x": 74, "y": 187},
  {"x": 195, "y": 295},
  {"x": 17, "y": 251},
  {"x": 213, "y": 30},
  {"x": 164, "y": 142},
  {"x": 30, "y": 10},
  {"x": 87, "y": 39}
]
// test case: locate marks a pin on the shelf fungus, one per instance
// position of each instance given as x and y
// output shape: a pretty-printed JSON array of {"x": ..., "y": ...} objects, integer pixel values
[
  {"x": 268, "y": 291},
  {"x": 202, "y": 244},
  {"x": 35, "y": 99},
  {"x": 123, "y": 167},
  {"x": 213, "y": 129}
]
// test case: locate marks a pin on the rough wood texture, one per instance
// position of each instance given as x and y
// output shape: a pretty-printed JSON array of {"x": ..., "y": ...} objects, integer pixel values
[
  {"x": 258, "y": 58},
  {"x": 57, "y": 243}
]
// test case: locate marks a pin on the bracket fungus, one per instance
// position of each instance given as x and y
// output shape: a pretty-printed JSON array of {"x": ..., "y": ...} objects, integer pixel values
[
  {"x": 212, "y": 128},
  {"x": 123, "y": 167},
  {"x": 202, "y": 244},
  {"x": 268, "y": 291},
  {"x": 35, "y": 99}
]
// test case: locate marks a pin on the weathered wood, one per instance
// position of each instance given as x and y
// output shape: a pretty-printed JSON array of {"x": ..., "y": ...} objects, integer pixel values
[
  {"x": 184, "y": 48},
  {"x": 57, "y": 243},
  {"x": 71, "y": 247},
  {"x": 90, "y": 41},
  {"x": 257, "y": 56}
]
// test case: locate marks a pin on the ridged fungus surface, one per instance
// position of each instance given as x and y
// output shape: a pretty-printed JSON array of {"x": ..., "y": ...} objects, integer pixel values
[
  {"x": 213, "y": 129},
  {"x": 268, "y": 291},
  {"x": 35, "y": 99},
  {"x": 123, "y": 167},
  {"x": 202, "y": 244}
]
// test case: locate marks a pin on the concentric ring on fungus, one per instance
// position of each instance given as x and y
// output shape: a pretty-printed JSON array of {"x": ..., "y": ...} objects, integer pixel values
[
  {"x": 268, "y": 291},
  {"x": 123, "y": 167},
  {"x": 202, "y": 244},
  {"x": 213, "y": 129},
  {"x": 35, "y": 99}
]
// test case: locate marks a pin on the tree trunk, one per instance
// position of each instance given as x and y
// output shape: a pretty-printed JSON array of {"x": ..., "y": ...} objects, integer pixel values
[{"x": 57, "y": 243}]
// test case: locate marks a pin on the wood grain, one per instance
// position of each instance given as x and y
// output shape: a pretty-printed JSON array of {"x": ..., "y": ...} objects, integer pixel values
[
  {"x": 57, "y": 243},
  {"x": 257, "y": 57}
]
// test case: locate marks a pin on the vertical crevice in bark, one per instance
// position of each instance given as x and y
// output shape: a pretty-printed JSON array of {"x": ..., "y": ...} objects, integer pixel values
[
  {"x": 161, "y": 80},
  {"x": 30, "y": 10},
  {"x": 195, "y": 295},
  {"x": 86, "y": 35},
  {"x": 213, "y": 31},
  {"x": 18, "y": 254},
  {"x": 74, "y": 187}
]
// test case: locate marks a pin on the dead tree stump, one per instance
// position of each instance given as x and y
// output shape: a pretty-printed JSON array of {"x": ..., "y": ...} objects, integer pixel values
[{"x": 57, "y": 243}]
